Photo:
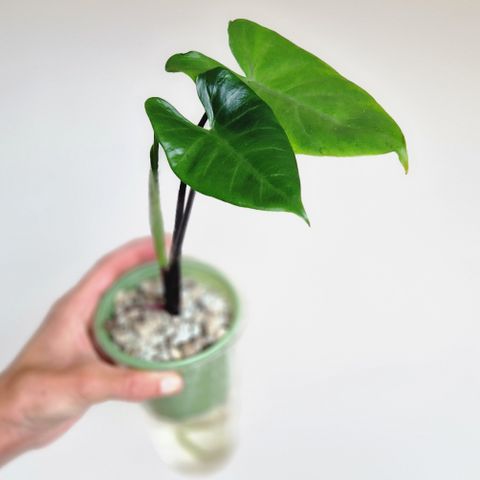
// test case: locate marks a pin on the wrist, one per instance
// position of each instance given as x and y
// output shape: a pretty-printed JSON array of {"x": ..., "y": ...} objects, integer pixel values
[{"x": 13, "y": 438}]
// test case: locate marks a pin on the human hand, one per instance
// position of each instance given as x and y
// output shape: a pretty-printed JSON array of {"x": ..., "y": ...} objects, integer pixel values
[{"x": 59, "y": 374}]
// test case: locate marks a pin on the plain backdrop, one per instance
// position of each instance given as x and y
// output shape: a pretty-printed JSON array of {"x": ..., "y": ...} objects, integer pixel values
[{"x": 360, "y": 358}]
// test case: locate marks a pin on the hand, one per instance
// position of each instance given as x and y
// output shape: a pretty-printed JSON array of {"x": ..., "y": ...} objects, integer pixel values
[{"x": 59, "y": 374}]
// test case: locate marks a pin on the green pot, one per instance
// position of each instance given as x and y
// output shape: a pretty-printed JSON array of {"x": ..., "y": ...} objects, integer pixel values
[{"x": 206, "y": 375}]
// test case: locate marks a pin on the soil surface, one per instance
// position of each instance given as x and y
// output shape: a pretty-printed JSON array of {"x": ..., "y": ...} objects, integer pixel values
[{"x": 143, "y": 329}]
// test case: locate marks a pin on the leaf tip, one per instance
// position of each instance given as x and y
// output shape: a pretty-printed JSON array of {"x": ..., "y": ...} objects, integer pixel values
[
  {"x": 403, "y": 157},
  {"x": 302, "y": 214}
]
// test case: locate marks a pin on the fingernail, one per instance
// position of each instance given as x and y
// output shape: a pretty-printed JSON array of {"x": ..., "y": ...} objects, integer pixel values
[{"x": 171, "y": 384}]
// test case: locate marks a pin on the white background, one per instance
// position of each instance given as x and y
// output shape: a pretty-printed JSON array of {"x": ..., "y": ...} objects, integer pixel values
[{"x": 360, "y": 359}]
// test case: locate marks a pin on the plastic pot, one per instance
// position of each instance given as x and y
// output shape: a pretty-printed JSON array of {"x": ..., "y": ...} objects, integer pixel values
[{"x": 192, "y": 430}]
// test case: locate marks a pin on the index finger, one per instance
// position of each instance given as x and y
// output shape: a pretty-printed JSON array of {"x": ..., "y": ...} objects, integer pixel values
[{"x": 112, "y": 266}]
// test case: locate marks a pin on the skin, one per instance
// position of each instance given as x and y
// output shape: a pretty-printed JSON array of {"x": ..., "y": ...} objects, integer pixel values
[{"x": 59, "y": 374}]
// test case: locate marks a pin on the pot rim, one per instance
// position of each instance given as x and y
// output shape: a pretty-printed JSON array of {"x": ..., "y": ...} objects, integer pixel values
[{"x": 142, "y": 272}]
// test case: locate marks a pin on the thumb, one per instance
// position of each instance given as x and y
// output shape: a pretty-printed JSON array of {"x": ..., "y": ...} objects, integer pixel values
[{"x": 116, "y": 383}]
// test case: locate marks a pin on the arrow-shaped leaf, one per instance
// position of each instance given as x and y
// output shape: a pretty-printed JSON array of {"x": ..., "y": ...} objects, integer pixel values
[
  {"x": 322, "y": 112},
  {"x": 244, "y": 159}
]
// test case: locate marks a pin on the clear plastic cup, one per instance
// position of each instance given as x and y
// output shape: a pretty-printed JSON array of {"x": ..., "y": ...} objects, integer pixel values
[{"x": 194, "y": 430}]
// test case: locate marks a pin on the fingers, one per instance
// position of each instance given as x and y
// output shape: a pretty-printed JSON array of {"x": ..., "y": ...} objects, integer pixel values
[
  {"x": 97, "y": 383},
  {"x": 113, "y": 383},
  {"x": 113, "y": 265}
]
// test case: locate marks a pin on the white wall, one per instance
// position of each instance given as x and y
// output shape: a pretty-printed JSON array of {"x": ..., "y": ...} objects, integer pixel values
[{"x": 360, "y": 360}]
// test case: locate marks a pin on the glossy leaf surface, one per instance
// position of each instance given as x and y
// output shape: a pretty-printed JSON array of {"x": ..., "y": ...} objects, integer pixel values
[
  {"x": 244, "y": 159},
  {"x": 322, "y": 112}
]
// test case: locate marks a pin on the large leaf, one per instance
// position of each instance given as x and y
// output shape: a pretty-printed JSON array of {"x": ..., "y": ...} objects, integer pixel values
[
  {"x": 322, "y": 112},
  {"x": 244, "y": 159}
]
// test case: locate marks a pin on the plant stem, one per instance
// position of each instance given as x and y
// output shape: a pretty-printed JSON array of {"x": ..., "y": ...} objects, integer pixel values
[
  {"x": 203, "y": 120},
  {"x": 172, "y": 275},
  {"x": 183, "y": 214},
  {"x": 156, "y": 219},
  {"x": 177, "y": 246},
  {"x": 179, "y": 211}
]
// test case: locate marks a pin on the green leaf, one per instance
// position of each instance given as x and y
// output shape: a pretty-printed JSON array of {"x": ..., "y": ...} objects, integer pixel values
[
  {"x": 244, "y": 159},
  {"x": 191, "y": 63},
  {"x": 322, "y": 112}
]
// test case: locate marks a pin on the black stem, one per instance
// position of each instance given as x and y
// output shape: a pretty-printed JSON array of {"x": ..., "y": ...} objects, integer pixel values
[
  {"x": 203, "y": 120},
  {"x": 179, "y": 212},
  {"x": 172, "y": 275},
  {"x": 177, "y": 246}
]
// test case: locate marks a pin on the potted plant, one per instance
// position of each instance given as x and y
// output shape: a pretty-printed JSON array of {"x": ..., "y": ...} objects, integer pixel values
[{"x": 179, "y": 313}]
